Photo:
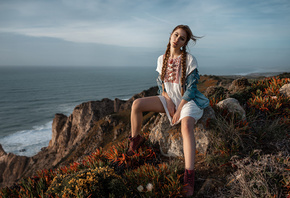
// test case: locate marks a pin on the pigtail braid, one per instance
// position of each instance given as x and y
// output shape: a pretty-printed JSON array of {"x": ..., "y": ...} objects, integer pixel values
[
  {"x": 165, "y": 61},
  {"x": 183, "y": 69}
]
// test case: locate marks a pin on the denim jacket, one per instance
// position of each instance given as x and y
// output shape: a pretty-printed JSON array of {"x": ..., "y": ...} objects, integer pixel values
[{"x": 191, "y": 92}]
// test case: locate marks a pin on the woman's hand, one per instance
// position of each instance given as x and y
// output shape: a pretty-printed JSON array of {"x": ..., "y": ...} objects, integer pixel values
[
  {"x": 176, "y": 116},
  {"x": 170, "y": 105}
]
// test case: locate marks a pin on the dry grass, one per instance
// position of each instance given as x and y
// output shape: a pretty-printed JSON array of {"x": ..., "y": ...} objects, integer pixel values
[{"x": 259, "y": 175}]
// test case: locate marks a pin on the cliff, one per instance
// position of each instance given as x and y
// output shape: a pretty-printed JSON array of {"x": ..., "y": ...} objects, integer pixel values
[{"x": 91, "y": 125}]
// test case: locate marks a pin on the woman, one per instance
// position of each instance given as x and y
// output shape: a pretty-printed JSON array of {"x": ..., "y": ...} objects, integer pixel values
[{"x": 179, "y": 99}]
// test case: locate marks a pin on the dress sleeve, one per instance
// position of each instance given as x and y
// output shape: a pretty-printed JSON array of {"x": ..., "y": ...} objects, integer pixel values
[
  {"x": 159, "y": 64},
  {"x": 191, "y": 64}
]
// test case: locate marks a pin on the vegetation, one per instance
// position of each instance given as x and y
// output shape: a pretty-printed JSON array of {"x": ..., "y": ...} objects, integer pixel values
[{"x": 249, "y": 158}]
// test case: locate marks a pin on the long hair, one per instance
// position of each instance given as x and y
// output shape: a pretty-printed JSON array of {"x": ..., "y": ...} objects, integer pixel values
[{"x": 189, "y": 36}]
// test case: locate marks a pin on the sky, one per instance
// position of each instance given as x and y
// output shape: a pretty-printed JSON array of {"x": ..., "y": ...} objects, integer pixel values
[{"x": 238, "y": 36}]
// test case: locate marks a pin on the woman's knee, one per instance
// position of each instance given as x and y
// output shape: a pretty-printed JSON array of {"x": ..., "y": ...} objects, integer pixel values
[
  {"x": 148, "y": 104},
  {"x": 187, "y": 125},
  {"x": 137, "y": 104}
]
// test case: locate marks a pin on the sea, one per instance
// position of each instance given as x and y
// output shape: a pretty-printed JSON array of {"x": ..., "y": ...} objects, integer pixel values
[{"x": 31, "y": 96}]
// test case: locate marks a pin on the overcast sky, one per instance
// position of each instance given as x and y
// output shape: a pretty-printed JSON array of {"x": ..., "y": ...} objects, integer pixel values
[{"x": 239, "y": 36}]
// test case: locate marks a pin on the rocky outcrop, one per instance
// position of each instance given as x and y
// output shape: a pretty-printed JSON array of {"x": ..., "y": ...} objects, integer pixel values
[
  {"x": 285, "y": 90},
  {"x": 67, "y": 134},
  {"x": 68, "y": 131},
  {"x": 202, "y": 130},
  {"x": 87, "y": 128},
  {"x": 170, "y": 138},
  {"x": 12, "y": 167},
  {"x": 239, "y": 85},
  {"x": 2, "y": 152},
  {"x": 232, "y": 105},
  {"x": 216, "y": 92}
]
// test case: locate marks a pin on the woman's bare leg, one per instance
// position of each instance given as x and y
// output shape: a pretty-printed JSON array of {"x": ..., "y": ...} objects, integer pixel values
[
  {"x": 141, "y": 105},
  {"x": 187, "y": 130}
]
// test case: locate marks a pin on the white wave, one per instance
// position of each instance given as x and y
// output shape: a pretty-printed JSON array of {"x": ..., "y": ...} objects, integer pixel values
[{"x": 28, "y": 142}]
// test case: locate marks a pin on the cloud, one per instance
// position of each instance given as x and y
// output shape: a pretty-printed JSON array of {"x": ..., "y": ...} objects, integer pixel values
[
  {"x": 123, "y": 23},
  {"x": 113, "y": 23},
  {"x": 240, "y": 28}
]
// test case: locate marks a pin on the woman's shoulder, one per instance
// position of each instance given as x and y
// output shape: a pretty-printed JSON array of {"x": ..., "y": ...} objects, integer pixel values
[
  {"x": 191, "y": 63},
  {"x": 190, "y": 57},
  {"x": 159, "y": 63},
  {"x": 160, "y": 59}
]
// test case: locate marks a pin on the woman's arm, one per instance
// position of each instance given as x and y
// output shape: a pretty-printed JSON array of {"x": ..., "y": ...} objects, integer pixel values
[{"x": 170, "y": 105}]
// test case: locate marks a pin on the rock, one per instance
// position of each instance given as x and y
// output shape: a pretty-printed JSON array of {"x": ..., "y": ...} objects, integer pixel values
[
  {"x": 208, "y": 114},
  {"x": 201, "y": 130},
  {"x": 285, "y": 90},
  {"x": 68, "y": 138},
  {"x": 117, "y": 104},
  {"x": 216, "y": 92},
  {"x": 116, "y": 125},
  {"x": 85, "y": 115},
  {"x": 2, "y": 152},
  {"x": 170, "y": 138},
  {"x": 233, "y": 106},
  {"x": 239, "y": 85},
  {"x": 151, "y": 123},
  {"x": 57, "y": 126},
  {"x": 69, "y": 131},
  {"x": 12, "y": 168}
]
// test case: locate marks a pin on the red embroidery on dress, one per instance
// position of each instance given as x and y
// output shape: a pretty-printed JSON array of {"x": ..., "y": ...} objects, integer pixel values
[{"x": 173, "y": 71}]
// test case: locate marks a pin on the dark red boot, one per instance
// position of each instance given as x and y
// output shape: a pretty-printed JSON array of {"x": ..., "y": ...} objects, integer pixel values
[
  {"x": 134, "y": 144},
  {"x": 188, "y": 187}
]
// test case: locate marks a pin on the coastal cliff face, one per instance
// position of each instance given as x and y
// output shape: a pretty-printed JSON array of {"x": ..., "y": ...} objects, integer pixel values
[{"x": 91, "y": 125}]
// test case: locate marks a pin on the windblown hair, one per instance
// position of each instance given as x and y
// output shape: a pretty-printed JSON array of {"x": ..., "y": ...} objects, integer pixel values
[{"x": 183, "y": 55}]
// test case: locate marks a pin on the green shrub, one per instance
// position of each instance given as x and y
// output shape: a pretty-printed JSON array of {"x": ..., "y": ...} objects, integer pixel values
[{"x": 99, "y": 182}]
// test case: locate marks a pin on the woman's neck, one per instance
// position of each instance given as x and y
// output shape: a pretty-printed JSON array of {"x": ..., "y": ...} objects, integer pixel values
[{"x": 174, "y": 53}]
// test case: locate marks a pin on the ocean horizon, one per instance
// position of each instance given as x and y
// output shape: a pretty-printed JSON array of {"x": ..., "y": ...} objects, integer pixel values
[{"x": 31, "y": 96}]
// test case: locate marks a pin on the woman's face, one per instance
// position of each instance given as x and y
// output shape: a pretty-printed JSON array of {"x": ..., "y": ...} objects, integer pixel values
[{"x": 178, "y": 38}]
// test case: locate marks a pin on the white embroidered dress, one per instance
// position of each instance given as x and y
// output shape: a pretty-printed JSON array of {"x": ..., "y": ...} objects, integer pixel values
[{"x": 173, "y": 87}]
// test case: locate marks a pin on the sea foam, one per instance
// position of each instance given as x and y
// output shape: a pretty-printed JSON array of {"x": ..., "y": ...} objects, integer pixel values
[{"x": 28, "y": 142}]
